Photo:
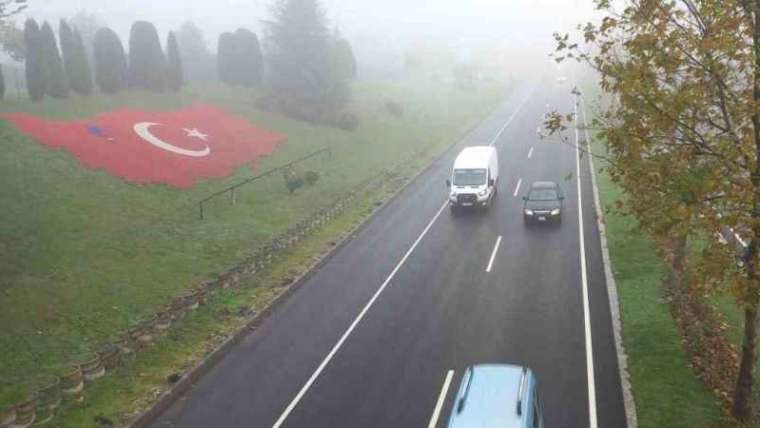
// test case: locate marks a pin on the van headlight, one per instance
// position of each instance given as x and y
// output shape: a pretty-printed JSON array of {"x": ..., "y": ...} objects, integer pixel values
[
  {"x": 528, "y": 212},
  {"x": 483, "y": 192},
  {"x": 555, "y": 211}
]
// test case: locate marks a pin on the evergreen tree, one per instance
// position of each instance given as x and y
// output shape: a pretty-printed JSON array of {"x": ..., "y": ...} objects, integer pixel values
[
  {"x": 35, "y": 75},
  {"x": 147, "y": 64},
  {"x": 75, "y": 60},
  {"x": 225, "y": 58},
  {"x": 198, "y": 63},
  {"x": 2, "y": 83},
  {"x": 110, "y": 61},
  {"x": 301, "y": 54},
  {"x": 82, "y": 58},
  {"x": 174, "y": 75},
  {"x": 56, "y": 82},
  {"x": 248, "y": 60}
]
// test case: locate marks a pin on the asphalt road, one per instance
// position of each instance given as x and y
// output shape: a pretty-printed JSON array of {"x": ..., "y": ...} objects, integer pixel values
[{"x": 370, "y": 338}]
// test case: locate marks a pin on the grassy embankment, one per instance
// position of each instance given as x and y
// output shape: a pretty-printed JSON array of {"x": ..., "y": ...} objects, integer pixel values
[
  {"x": 666, "y": 390},
  {"x": 84, "y": 255}
]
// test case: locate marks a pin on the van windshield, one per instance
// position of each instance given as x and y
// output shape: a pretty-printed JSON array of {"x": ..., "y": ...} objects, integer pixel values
[{"x": 469, "y": 177}]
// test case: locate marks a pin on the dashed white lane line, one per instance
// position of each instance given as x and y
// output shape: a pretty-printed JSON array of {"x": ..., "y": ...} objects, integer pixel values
[
  {"x": 530, "y": 153},
  {"x": 517, "y": 188},
  {"x": 509, "y": 121},
  {"x": 493, "y": 254},
  {"x": 584, "y": 284},
  {"x": 441, "y": 399},
  {"x": 353, "y": 325}
]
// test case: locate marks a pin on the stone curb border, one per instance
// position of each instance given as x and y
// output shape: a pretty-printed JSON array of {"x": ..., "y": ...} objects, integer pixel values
[
  {"x": 185, "y": 383},
  {"x": 617, "y": 327}
]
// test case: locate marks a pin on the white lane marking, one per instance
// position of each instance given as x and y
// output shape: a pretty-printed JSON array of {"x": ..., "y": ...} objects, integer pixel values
[
  {"x": 584, "y": 280},
  {"x": 353, "y": 325},
  {"x": 369, "y": 304},
  {"x": 517, "y": 189},
  {"x": 530, "y": 153},
  {"x": 493, "y": 254},
  {"x": 441, "y": 400},
  {"x": 509, "y": 121}
]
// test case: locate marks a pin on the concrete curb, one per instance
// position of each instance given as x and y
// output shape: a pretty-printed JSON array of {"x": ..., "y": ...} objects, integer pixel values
[
  {"x": 617, "y": 326},
  {"x": 185, "y": 383}
]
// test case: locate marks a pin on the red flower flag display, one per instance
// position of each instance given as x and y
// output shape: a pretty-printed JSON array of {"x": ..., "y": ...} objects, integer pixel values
[{"x": 176, "y": 148}]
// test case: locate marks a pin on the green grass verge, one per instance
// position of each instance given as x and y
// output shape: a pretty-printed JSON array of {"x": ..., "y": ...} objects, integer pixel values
[
  {"x": 84, "y": 255},
  {"x": 666, "y": 390}
]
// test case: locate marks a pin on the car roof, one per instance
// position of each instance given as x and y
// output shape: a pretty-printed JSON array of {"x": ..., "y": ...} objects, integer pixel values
[
  {"x": 544, "y": 185},
  {"x": 491, "y": 398},
  {"x": 474, "y": 157}
]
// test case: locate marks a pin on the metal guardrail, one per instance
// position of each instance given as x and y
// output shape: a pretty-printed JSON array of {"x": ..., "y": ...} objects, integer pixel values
[{"x": 231, "y": 189}]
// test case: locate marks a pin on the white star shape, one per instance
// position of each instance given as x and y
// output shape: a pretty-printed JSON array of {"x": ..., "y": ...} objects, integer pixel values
[{"x": 195, "y": 133}]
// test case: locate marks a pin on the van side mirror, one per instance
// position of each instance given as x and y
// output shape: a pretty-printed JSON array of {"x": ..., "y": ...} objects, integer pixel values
[
  {"x": 562, "y": 198},
  {"x": 491, "y": 182},
  {"x": 525, "y": 198},
  {"x": 448, "y": 183}
]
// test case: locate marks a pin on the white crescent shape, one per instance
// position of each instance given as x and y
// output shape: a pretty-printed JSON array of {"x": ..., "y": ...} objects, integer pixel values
[{"x": 142, "y": 129}]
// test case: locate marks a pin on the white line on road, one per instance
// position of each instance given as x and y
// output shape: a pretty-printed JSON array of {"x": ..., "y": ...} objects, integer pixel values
[
  {"x": 493, "y": 253},
  {"x": 509, "y": 121},
  {"x": 530, "y": 153},
  {"x": 584, "y": 281},
  {"x": 371, "y": 302},
  {"x": 517, "y": 189},
  {"x": 441, "y": 400},
  {"x": 353, "y": 325}
]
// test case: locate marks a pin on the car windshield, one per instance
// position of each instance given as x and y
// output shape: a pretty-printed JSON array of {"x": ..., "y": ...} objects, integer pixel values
[
  {"x": 469, "y": 177},
  {"x": 543, "y": 195}
]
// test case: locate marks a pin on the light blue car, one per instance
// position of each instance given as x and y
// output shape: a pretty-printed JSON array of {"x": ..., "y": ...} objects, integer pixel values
[{"x": 497, "y": 396}]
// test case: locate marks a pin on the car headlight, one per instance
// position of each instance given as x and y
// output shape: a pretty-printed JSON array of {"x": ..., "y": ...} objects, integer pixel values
[
  {"x": 453, "y": 196},
  {"x": 555, "y": 211},
  {"x": 528, "y": 212},
  {"x": 483, "y": 192}
]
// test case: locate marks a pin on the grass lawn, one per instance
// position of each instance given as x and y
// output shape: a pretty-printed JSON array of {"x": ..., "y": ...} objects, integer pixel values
[
  {"x": 667, "y": 392},
  {"x": 84, "y": 255}
]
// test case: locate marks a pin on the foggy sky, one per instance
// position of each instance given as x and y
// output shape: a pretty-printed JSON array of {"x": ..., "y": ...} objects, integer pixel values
[{"x": 452, "y": 20}]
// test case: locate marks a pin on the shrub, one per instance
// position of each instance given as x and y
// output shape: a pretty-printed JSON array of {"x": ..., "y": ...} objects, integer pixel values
[
  {"x": 347, "y": 121},
  {"x": 395, "y": 109},
  {"x": 311, "y": 177},
  {"x": 293, "y": 180}
]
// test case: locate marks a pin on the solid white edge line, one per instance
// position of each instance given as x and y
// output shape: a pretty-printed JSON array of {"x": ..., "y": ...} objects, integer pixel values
[
  {"x": 509, "y": 121},
  {"x": 493, "y": 254},
  {"x": 441, "y": 400},
  {"x": 584, "y": 284},
  {"x": 353, "y": 325},
  {"x": 612, "y": 293},
  {"x": 517, "y": 188},
  {"x": 530, "y": 153}
]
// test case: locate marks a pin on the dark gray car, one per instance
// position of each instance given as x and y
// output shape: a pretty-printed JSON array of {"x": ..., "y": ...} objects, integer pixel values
[{"x": 543, "y": 203}]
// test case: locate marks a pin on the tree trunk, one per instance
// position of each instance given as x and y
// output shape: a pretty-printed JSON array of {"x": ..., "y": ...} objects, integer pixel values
[
  {"x": 677, "y": 265},
  {"x": 742, "y": 405},
  {"x": 743, "y": 395}
]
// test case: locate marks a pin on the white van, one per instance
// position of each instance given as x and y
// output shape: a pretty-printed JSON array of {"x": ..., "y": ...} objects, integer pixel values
[{"x": 474, "y": 178}]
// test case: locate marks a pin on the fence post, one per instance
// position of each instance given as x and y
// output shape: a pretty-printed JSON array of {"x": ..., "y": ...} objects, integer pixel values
[
  {"x": 232, "y": 196},
  {"x": 200, "y": 205}
]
